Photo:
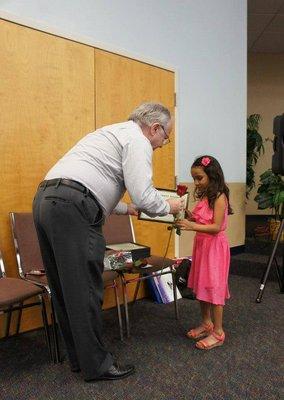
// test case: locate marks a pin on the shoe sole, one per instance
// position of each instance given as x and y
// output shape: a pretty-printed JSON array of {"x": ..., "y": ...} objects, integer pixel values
[
  {"x": 209, "y": 347},
  {"x": 106, "y": 378}
]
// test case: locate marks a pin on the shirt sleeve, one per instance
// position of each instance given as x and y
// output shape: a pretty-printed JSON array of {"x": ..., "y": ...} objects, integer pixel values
[
  {"x": 137, "y": 170},
  {"x": 120, "y": 208}
]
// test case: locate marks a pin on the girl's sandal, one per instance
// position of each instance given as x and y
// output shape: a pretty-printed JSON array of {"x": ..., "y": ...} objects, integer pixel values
[
  {"x": 204, "y": 344},
  {"x": 201, "y": 331}
]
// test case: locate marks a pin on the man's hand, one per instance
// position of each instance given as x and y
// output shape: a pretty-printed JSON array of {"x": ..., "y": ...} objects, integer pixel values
[
  {"x": 132, "y": 209},
  {"x": 176, "y": 205}
]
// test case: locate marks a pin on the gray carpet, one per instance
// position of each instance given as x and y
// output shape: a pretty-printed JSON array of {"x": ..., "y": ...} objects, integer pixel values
[{"x": 248, "y": 366}]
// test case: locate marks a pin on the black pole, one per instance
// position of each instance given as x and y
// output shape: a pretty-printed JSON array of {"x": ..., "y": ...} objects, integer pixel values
[{"x": 271, "y": 258}]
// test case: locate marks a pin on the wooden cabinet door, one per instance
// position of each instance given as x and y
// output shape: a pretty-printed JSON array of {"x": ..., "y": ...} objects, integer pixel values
[
  {"x": 47, "y": 104},
  {"x": 121, "y": 85}
]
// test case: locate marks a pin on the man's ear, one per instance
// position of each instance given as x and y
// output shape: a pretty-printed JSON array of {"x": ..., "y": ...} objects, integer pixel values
[{"x": 153, "y": 128}]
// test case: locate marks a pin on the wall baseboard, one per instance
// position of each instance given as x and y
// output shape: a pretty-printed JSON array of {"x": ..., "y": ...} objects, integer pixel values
[{"x": 237, "y": 250}]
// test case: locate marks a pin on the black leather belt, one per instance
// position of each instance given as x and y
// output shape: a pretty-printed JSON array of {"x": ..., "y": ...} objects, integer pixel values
[{"x": 68, "y": 182}]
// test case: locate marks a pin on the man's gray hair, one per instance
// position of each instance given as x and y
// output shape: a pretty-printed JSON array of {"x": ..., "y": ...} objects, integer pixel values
[{"x": 149, "y": 113}]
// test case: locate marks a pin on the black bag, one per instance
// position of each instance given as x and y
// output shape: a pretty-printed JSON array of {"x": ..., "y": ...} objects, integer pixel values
[{"x": 181, "y": 276}]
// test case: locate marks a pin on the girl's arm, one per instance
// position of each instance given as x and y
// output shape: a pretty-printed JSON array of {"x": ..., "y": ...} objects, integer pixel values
[{"x": 218, "y": 218}]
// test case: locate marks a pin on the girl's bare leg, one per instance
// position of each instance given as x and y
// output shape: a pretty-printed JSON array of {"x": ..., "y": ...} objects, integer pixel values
[
  {"x": 206, "y": 327},
  {"x": 218, "y": 318},
  {"x": 205, "y": 312}
]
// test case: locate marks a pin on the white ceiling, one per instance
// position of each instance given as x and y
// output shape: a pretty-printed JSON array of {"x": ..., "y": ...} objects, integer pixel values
[{"x": 266, "y": 26}]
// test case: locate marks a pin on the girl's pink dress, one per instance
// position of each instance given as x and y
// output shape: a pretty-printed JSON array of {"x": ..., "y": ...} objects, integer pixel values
[{"x": 209, "y": 271}]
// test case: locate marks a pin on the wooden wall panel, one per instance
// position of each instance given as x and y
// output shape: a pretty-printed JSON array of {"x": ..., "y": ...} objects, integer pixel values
[
  {"x": 47, "y": 103},
  {"x": 121, "y": 85}
]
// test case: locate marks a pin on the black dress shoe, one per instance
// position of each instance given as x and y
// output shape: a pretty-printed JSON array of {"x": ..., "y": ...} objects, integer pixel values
[{"x": 114, "y": 372}]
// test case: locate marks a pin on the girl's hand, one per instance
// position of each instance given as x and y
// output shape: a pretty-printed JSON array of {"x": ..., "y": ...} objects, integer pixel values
[
  {"x": 188, "y": 215},
  {"x": 185, "y": 225}
]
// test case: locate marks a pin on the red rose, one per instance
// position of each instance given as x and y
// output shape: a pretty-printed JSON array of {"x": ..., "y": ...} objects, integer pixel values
[{"x": 181, "y": 190}]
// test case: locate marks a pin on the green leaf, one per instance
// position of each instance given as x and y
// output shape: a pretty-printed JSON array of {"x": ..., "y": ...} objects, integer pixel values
[
  {"x": 264, "y": 200},
  {"x": 278, "y": 198},
  {"x": 254, "y": 149},
  {"x": 270, "y": 192}
]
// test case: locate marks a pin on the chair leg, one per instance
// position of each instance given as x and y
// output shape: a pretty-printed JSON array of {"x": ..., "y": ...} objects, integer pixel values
[
  {"x": 46, "y": 327},
  {"x": 125, "y": 302},
  {"x": 136, "y": 290},
  {"x": 56, "y": 356},
  {"x": 8, "y": 322},
  {"x": 19, "y": 318},
  {"x": 175, "y": 293},
  {"x": 118, "y": 310}
]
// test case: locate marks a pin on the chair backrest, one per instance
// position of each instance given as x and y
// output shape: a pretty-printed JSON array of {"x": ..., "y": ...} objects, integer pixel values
[
  {"x": 118, "y": 229},
  {"x": 26, "y": 243},
  {"x": 2, "y": 267}
]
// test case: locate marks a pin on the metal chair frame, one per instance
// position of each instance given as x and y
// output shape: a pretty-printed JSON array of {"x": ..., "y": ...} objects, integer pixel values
[
  {"x": 129, "y": 236},
  {"x": 113, "y": 285},
  {"x": 55, "y": 348},
  {"x": 19, "y": 306}
]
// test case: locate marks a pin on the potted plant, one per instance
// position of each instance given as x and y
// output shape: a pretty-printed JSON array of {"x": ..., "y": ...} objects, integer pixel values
[
  {"x": 270, "y": 194},
  {"x": 254, "y": 149}
]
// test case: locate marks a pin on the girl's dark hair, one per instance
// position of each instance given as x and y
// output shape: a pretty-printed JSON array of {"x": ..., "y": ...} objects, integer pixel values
[{"x": 216, "y": 185}]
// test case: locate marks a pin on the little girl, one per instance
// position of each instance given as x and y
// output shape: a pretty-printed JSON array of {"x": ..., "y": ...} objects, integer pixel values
[{"x": 211, "y": 254}]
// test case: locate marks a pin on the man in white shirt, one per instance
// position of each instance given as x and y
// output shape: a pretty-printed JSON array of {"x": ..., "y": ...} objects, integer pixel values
[{"x": 70, "y": 207}]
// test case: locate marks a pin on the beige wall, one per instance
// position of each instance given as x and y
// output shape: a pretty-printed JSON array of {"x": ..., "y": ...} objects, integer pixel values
[
  {"x": 265, "y": 97},
  {"x": 236, "y": 226}
]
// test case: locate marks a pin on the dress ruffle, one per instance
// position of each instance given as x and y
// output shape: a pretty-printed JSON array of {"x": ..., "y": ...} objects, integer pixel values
[{"x": 201, "y": 214}]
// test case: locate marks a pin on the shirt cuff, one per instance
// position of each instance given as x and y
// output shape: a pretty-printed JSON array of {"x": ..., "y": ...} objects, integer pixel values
[{"x": 120, "y": 208}]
